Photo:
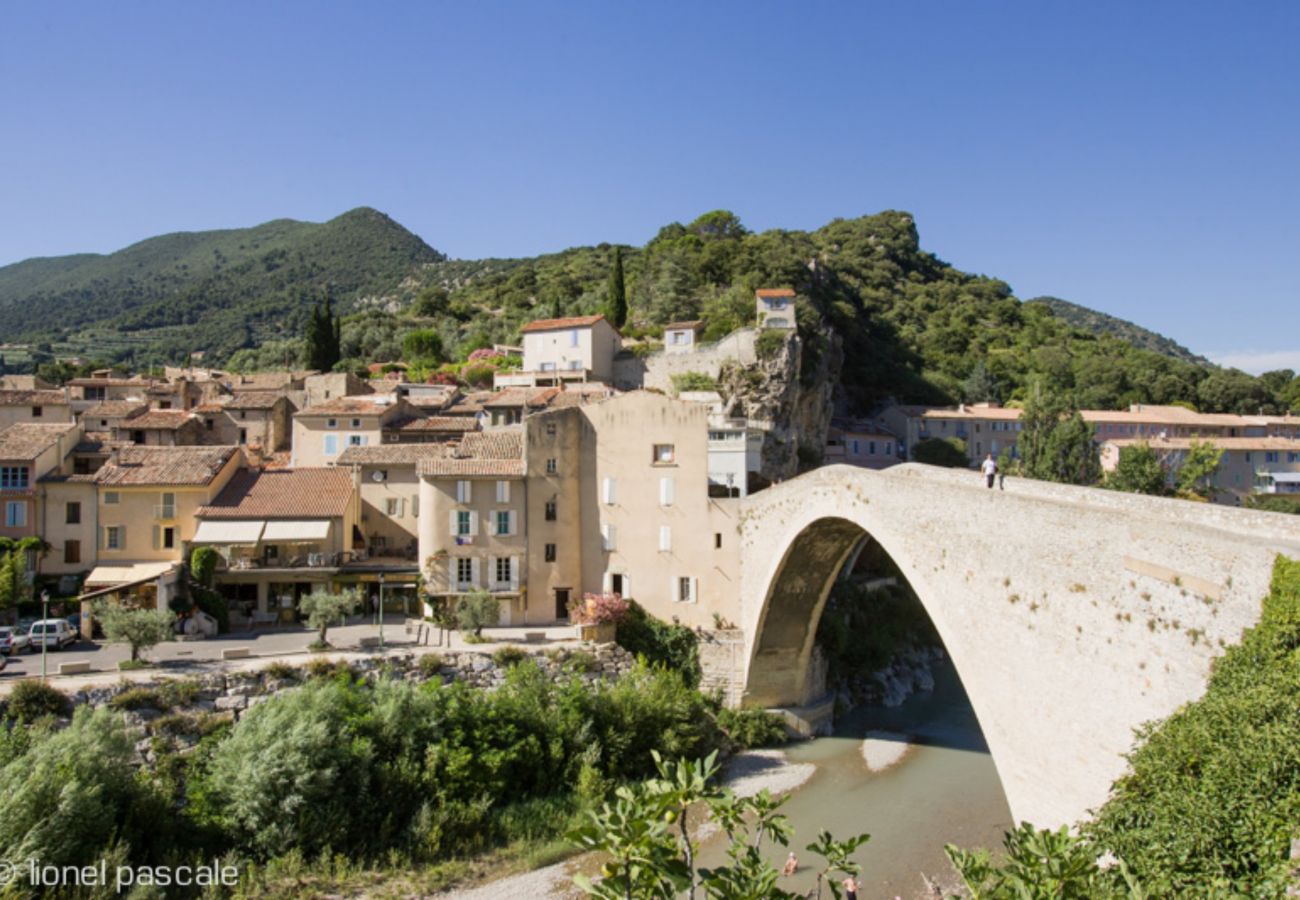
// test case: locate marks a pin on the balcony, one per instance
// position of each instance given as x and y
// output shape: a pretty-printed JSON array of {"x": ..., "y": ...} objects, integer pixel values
[
  {"x": 286, "y": 561},
  {"x": 164, "y": 511}
]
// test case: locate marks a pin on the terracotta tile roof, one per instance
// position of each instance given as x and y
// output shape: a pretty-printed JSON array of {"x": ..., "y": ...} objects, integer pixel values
[
  {"x": 487, "y": 453},
  {"x": 114, "y": 409},
  {"x": 282, "y": 494},
  {"x": 134, "y": 381},
  {"x": 693, "y": 325},
  {"x": 164, "y": 465},
  {"x": 264, "y": 381},
  {"x": 166, "y": 419},
  {"x": 448, "y": 424},
  {"x": 363, "y": 405},
  {"x": 33, "y": 398},
  {"x": 554, "y": 324},
  {"x": 533, "y": 397},
  {"x": 98, "y": 442},
  {"x": 253, "y": 400},
  {"x": 390, "y": 454},
  {"x": 1223, "y": 443},
  {"x": 26, "y": 440},
  {"x": 775, "y": 292}
]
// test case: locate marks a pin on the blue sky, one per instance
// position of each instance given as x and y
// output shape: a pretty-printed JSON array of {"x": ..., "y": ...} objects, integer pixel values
[{"x": 1138, "y": 158}]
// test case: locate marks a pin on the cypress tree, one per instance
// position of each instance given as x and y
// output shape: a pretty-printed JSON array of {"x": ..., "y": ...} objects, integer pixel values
[{"x": 616, "y": 308}]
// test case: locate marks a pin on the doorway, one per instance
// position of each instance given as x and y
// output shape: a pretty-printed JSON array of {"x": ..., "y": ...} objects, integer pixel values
[
  {"x": 616, "y": 583},
  {"x": 562, "y": 603}
]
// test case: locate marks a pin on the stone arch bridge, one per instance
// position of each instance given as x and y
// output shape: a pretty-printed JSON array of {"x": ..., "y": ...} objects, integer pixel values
[{"x": 1072, "y": 615}]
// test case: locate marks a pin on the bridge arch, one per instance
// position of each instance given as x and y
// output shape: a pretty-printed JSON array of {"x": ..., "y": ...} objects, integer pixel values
[{"x": 1072, "y": 615}]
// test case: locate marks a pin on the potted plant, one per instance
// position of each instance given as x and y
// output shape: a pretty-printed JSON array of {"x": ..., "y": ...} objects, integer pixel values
[{"x": 597, "y": 616}]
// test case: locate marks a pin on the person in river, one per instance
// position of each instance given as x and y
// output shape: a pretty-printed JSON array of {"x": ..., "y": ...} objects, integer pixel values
[
  {"x": 990, "y": 469},
  {"x": 791, "y": 864},
  {"x": 850, "y": 888}
]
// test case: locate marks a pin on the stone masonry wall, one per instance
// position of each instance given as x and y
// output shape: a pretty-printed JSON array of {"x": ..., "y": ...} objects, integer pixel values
[{"x": 657, "y": 370}]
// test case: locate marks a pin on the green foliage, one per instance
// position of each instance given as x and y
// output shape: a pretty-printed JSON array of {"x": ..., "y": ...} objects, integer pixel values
[
  {"x": 14, "y": 586},
  {"x": 1041, "y": 865},
  {"x": 1274, "y": 503},
  {"x": 1056, "y": 444},
  {"x": 769, "y": 343},
  {"x": 1213, "y": 795},
  {"x": 508, "y": 656},
  {"x": 424, "y": 345},
  {"x": 141, "y": 628},
  {"x": 693, "y": 381},
  {"x": 214, "y": 604},
  {"x": 203, "y": 564},
  {"x": 477, "y": 610},
  {"x": 323, "y": 608},
  {"x": 322, "y": 338},
  {"x": 1093, "y": 322},
  {"x": 1197, "y": 469},
  {"x": 980, "y": 386},
  {"x": 1138, "y": 471},
  {"x": 861, "y": 628},
  {"x": 949, "y": 452},
  {"x": 429, "y": 664},
  {"x": 616, "y": 302},
  {"x": 673, "y": 646},
  {"x": 31, "y": 700},
  {"x": 752, "y": 728}
]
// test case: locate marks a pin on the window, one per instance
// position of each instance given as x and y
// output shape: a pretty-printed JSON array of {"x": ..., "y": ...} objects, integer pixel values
[
  {"x": 167, "y": 508},
  {"x": 1269, "y": 457},
  {"x": 717, "y": 540},
  {"x": 356, "y": 423},
  {"x": 504, "y": 519},
  {"x": 550, "y": 553},
  {"x": 208, "y": 424},
  {"x": 853, "y": 447},
  {"x": 137, "y": 437},
  {"x": 331, "y": 445},
  {"x": 550, "y": 510},
  {"x": 871, "y": 448},
  {"x": 393, "y": 507},
  {"x": 111, "y": 498},
  {"x": 72, "y": 513},
  {"x": 607, "y": 537},
  {"x": 37, "y": 412},
  {"x": 685, "y": 590},
  {"x": 115, "y": 537},
  {"x": 550, "y": 429},
  {"x": 13, "y": 477},
  {"x": 72, "y": 551},
  {"x": 464, "y": 570},
  {"x": 503, "y": 492},
  {"x": 15, "y": 513},
  {"x": 169, "y": 538},
  {"x": 575, "y": 365},
  {"x": 551, "y": 468},
  {"x": 331, "y": 423},
  {"x": 664, "y": 454},
  {"x": 607, "y": 491},
  {"x": 573, "y": 337},
  {"x": 503, "y": 569},
  {"x": 464, "y": 523},
  {"x": 243, "y": 435},
  {"x": 463, "y": 491},
  {"x": 667, "y": 491},
  {"x": 357, "y": 440},
  {"x": 665, "y": 538}
]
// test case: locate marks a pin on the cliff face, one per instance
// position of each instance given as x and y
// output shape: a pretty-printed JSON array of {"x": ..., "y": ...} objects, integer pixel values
[{"x": 788, "y": 392}]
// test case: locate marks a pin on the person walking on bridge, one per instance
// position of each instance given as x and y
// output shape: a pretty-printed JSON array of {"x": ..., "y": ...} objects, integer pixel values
[{"x": 990, "y": 469}]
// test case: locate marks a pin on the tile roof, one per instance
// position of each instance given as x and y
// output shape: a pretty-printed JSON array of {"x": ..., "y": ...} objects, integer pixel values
[
  {"x": 164, "y": 465},
  {"x": 27, "y": 440},
  {"x": 264, "y": 381},
  {"x": 534, "y": 397},
  {"x": 114, "y": 409},
  {"x": 1223, "y": 443},
  {"x": 253, "y": 400},
  {"x": 554, "y": 324},
  {"x": 364, "y": 404},
  {"x": 448, "y": 424},
  {"x": 166, "y": 419},
  {"x": 134, "y": 381},
  {"x": 33, "y": 398},
  {"x": 775, "y": 292},
  {"x": 313, "y": 493},
  {"x": 486, "y": 453},
  {"x": 390, "y": 454},
  {"x": 692, "y": 325}
]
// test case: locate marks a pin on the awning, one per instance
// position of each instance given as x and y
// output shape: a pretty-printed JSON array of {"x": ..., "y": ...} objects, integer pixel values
[
  {"x": 1285, "y": 477},
  {"x": 219, "y": 531},
  {"x": 136, "y": 573},
  {"x": 297, "y": 530}
]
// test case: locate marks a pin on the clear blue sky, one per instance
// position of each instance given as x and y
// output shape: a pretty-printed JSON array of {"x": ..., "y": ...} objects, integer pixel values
[{"x": 1139, "y": 158}]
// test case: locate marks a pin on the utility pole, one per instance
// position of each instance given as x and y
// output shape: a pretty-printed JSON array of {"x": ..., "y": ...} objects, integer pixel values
[
  {"x": 381, "y": 610},
  {"x": 45, "y": 643}
]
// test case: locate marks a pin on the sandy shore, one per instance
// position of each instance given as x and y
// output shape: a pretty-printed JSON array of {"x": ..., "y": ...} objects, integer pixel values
[
  {"x": 882, "y": 749},
  {"x": 745, "y": 773}
]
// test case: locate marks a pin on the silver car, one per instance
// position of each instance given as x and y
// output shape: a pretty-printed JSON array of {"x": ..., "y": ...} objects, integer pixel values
[{"x": 14, "y": 640}]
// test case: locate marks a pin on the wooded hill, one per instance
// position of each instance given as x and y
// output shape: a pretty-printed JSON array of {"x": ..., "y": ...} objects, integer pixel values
[{"x": 912, "y": 326}]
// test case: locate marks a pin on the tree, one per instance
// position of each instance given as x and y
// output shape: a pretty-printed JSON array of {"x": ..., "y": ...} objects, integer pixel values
[
  {"x": 203, "y": 564},
  {"x": 980, "y": 386},
  {"x": 322, "y": 338},
  {"x": 1042, "y": 865},
  {"x": 948, "y": 452},
  {"x": 477, "y": 610},
  {"x": 423, "y": 346},
  {"x": 323, "y": 608},
  {"x": 1056, "y": 444},
  {"x": 1196, "y": 473},
  {"x": 616, "y": 301},
  {"x": 141, "y": 628},
  {"x": 1139, "y": 471}
]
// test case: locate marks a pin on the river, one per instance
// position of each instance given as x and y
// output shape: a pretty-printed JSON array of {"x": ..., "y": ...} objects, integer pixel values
[{"x": 943, "y": 790}]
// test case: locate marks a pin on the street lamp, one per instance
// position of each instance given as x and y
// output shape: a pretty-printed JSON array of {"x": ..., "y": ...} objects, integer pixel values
[
  {"x": 45, "y": 644},
  {"x": 381, "y": 610}
]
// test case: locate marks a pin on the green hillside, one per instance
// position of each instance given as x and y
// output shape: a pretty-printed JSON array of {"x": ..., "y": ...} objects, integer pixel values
[
  {"x": 1101, "y": 323},
  {"x": 209, "y": 290}
]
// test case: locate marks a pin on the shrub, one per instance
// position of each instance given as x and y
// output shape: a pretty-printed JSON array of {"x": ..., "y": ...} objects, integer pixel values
[
  {"x": 477, "y": 610},
  {"x": 212, "y": 603},
  {"x": 321, "y": 668},
  {"x": 279, "y": 671},
  {"x": 598, "y": 609},
  {"x": 31, "y": 700},
  {"x": 769, "y": 343},
  {"x": 141, "y": 628},
  {"x": 138, "y": 698},
  {"x": 505, "y": 657},
  {"x": 947, "y": 452},
  {"x": 693, "y": 381},
  {"x": 672, "y": 646},
  {"x": 750, "y": 728},
  {"x": 203, "y": 564},
  {"x": 178, "y": 692},
  {"x": 580, "y": 661},
  {"x": 430, "y": 664}
]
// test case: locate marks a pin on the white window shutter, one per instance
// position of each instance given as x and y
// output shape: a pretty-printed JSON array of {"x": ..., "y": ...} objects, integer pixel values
[
  {"x": 627, "y": 585},
  {"x": 503, "y": 492},
  {"x": 666, "y": 491},
  {"x": 473, "y": 572},
  {"x": 473, "y": 523},
  {"x": 665, "y": 538},
  {"x": 608, "y": 584},
  {"x": 695, "y": 590},
  {"x": 514, "y": 573},
  {"x": 674, "y": 585},
  {"x": 609, "y": 533},
  {"x": 157, "y": 537},
  {"x": 452, "y": 525},
  {"x": 514, "y": 522},
  {"x": 415, "y": 506},
  {"x": 401, "y": 507},
  {"x": 607, "y": 491},
  {"x": 121, "y": 534}
]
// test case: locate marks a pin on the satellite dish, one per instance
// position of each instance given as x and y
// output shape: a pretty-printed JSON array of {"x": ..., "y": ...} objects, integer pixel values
[{"x": 378, "y": 475}]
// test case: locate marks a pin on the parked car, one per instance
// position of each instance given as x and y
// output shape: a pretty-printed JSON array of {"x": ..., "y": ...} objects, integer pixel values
[
  {"x": 13, "y": 640},
  {"x": 54, "y": 633}
]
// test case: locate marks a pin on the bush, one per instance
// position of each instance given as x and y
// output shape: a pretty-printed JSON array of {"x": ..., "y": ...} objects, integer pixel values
[
  {"x": 580, "y": 661},
  {"x": 506, "y": 657},
  {"x": 693, "y": 381},
  {"x": 751, "y": 728},
  {"x": 477, "y": 610},
  {"x": 138, "y": 698},
  {"x": 947, "y": 452},
  {"x": 212, "y": 603},
  {"x": 203, "y": 564},
  {"x": 321, "y": 668},
  {"x": 31, "y": 700},
  {"x": 769, "y": 343},
  {"x": 672, "y": 646},
  {"x": 430, "y": 664},
  {"x": 598, "y": 609},
  {"x": 280, "y": 671}
]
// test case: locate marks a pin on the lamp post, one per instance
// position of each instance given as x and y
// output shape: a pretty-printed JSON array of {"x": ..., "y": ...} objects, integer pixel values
[
  {"x": 381, "y": 610},
  {"x": 45, "y": 644}
]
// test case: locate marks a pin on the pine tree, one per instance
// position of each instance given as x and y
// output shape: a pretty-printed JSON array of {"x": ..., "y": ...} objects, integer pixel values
[
  {"x": 1056, "y": 443},
  {"x": 616, "y": 308}
]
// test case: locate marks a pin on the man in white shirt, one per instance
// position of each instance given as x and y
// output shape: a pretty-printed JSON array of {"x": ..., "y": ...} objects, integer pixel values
[{"x": 990, "y": 470}]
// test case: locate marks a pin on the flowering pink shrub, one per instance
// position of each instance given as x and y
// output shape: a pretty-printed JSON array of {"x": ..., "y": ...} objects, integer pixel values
[
  {"x": 477, "y": 374},
  {"x": 483, "y": 353},
  {"x": 442, "y": 378},
  {"x": 597, "y": 609}
]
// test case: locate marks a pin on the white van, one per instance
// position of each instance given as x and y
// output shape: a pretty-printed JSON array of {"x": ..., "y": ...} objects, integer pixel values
[{"x": 54, "y": 633}]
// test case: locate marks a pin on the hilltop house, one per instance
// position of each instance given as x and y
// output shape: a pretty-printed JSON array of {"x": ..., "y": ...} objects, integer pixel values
[{"x": 579, "y": 348}]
